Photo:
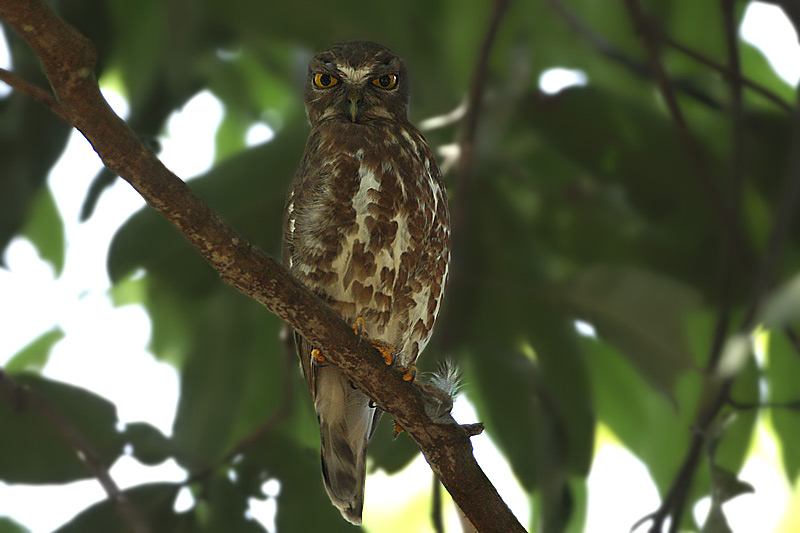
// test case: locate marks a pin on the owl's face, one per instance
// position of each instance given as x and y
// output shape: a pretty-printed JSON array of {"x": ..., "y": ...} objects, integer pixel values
[{"x": 357, "y": 81}]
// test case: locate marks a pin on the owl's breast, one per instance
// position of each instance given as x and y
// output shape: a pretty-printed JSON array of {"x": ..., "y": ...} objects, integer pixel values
[{"x": 369, "y": 234}]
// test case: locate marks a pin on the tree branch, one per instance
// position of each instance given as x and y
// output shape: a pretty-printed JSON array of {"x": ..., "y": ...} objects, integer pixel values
[
  {"x": 68, "y": 61},
  {"x": 20, "y": 395},
  {"x": 37, "y": 93}
]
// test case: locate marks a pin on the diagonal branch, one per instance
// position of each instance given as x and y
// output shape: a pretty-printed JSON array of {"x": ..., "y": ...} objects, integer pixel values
[
  {"x": 17, "y": 393},
  {"x": 68, "y": 60},
  {"x": 37, "y": 93}
]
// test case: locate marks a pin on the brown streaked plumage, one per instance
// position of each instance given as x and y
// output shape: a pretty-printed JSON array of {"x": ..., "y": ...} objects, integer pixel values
[{"x": 367, "y": 229}]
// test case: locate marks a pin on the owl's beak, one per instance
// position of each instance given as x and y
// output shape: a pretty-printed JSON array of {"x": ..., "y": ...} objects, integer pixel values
[{"x": 355, "y": 100}]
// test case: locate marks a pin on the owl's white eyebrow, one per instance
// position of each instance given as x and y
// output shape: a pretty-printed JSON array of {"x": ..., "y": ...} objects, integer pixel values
[{"x": 355, "y": 74}]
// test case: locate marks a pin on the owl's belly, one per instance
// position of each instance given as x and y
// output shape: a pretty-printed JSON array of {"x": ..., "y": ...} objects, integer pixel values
[{"x": 374, "y": 268}]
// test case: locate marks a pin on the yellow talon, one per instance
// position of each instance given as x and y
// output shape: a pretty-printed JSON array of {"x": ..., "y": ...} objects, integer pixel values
[
  {"x": 410, "y": 374},
  {"x": 397, "y": 429},
  {"x": 317, "y": 356}
]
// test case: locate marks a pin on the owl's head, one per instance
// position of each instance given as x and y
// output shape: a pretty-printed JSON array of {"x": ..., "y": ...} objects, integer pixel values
[{"x": 358, "y": 81}]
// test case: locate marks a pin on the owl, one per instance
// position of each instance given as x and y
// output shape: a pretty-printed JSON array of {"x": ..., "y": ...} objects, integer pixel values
[{"x": 366, "y": 228}]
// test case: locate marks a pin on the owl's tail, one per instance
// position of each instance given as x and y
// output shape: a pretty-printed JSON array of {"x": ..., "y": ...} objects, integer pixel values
[{"x": 346, "y": 424}]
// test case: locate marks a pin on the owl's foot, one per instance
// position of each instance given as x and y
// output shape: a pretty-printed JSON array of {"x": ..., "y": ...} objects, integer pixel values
[
  {"x": 397, "y": 429},
  {"x": 386, "y": 349},
  {"x": 410, "y": 374},
  {"x": 317, "y": 359}
]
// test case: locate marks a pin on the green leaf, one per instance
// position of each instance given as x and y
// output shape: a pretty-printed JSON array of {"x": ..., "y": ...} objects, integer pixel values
[
  {"x": 150, "y": 446},
  {"x": 639, "y": 312},
  {"x": 501, "y": 386},
  {"x": 297, "y": 468},
  {"x": 226, "y": 503},
  {"x": 239, "y": 190},
  {"x": 783, "y": 305},
  {"x": 7, "y": 525},
  {"x": 153, "y": 502},
  {"x": 716, "y": 521},
  {"x": 231, "y": 381},
  {"x": 725, "y": 485},
  {"x": 35, "y": 450},
  {"x": 45, "y": 229},
  {"x": 783, "y": 369},
  {"x": 646, "y": 421},
  {"x": 35, "y": 355},
  {"x": 387, "y": 452}
]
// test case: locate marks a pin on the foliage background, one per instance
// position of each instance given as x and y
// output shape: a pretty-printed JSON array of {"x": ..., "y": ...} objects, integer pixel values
[{"x": 582, "y": 205}]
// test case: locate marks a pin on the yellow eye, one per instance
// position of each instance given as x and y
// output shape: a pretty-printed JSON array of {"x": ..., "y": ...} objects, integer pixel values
[
  {"x": 387, "y": 81},
  {"x": 324, "y": 81}
]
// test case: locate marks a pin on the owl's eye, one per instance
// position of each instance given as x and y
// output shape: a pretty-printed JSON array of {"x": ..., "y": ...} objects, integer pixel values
[
  {"x": 387, "y": 81},
  {"x": 324, "y": 81}
]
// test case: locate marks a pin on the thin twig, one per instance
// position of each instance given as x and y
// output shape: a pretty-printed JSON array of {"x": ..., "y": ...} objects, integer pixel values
[
  {"x": 603, "y": 46},
  {"x": 22, "y": 395},
  {"x": 793, "y": 338},
  {"x": 470, "y": 124},
  {"x": 744, "y": 406},
  {"x": 634, "y": 65},
  {"x": 464, "y": 165},
  {"x": 692, "y": 147},
  {"x": 789, "y": 199},
  {"x": 436, "y": 506},
  {"x": 726, "y": 72},
  {"x": 37, "y": 93}
]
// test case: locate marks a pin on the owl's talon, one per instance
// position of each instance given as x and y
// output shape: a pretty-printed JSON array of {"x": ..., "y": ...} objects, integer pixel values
[
  {"x": 386, "y": 350},
  {"x": 397, "y": 429},
  {"x": 410, "y": 374},
  {"x": 317, "y": 359},
  {"x": 358, "y": 327}
]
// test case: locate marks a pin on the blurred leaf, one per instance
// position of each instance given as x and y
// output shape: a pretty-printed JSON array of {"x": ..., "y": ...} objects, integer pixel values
[
  {"x": 716, "y": 521},
  {"x": 35, "y": 355},
  {"x": 783, "y": 305},
  {"x": 297, "y": 468},
  {"x": 227, "y": 508},
  {"x": 726, "y": 486},
  {"x": 640, "y": 313},
  {"x": 154, "y": 502},
  {"x": 628, "y": 405},
  {"x": 503, "y": 392},
  {"x": 35, "y": 451},
  {"x": 242, "y": 192},
  {"x": 388, "y": 453},
  {"x": 150, "y": 446},
  {"x": 45, "y": 229},
  {"x": 783, "y": 369},
  {"x": 7, "y": 525},
  {"x": 31, "y": 140},
  {"x": 234, "y": 367}
]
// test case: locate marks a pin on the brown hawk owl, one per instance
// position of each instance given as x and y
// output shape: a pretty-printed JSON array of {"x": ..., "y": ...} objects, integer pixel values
[{"x": 367, "y": 229}]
